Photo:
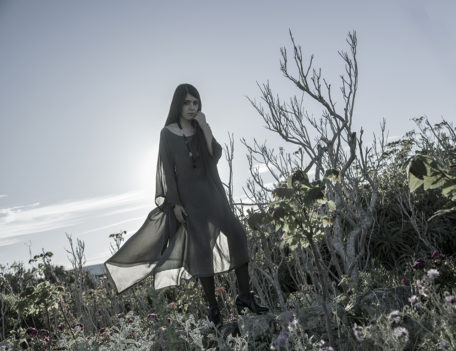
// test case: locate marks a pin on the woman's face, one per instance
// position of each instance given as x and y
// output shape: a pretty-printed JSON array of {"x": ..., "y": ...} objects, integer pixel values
[{"x": 190, "y": 107}]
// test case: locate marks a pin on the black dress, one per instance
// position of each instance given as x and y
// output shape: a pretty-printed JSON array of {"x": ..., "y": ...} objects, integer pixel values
[{"x": 211, "y": 241}]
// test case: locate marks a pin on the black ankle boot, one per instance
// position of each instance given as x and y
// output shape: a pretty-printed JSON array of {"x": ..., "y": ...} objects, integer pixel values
[
  {"x": 249, "y": 301},
  {"x": 214, "y": 315}
]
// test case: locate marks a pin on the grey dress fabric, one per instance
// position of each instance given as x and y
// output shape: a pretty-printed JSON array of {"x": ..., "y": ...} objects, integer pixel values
[{"x": 211, "y": 241}]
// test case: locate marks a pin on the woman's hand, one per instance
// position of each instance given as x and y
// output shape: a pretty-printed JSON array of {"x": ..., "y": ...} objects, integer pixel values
[
  {"x": 179, "y": 212},
  {"x": 201, "y": 119}
]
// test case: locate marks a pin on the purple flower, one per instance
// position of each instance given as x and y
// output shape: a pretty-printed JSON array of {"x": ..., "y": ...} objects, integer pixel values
[
  {"x": 31, "y": 331},
  {"x": 419, "y": 264},
  {"x": 232, "y": 319},
  {"x": 357, "y": 331},
  {"x": 60, "y": 326},
  {"x": 414, "y": 302},
  {"x": 435, "y": 254},
  {"x": 24, "y": 345},
  {"x": 281, "y": 341},
  {"x": 395, "y": 316},
  {"x": 120, "y": 315},
  {"x": 44, "y": 332},
  {"x": 401, "y": 332},
  {"x": 291, "y": 307},
  {"x": 451, "y": 299},
  {"x": 405, "y": 281},
  {"x": 169, "y": 320},
  {"x": 152, "y": 316},
  {"x": 102, "y": 330}
]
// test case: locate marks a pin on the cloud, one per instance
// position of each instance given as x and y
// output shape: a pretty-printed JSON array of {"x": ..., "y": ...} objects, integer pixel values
[
  {"x": 33, "y": 218},
  {"x": 114, "y": 224},
  {"x": 3, "y": 195}
]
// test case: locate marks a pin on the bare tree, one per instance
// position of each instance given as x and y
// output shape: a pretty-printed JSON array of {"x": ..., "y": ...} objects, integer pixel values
[{"x": 336, "y": 148}]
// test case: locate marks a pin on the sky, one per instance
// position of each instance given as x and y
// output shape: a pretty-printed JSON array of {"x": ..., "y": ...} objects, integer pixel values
[{"x": 85, "y": 88}]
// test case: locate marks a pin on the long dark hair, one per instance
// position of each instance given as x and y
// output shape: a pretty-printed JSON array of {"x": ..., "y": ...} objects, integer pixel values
[{"x": 175, "y": 112}]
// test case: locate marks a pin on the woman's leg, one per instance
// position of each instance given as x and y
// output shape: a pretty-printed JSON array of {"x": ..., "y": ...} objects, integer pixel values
[
  {"x": 242, "y": 274},
  {"x": 209, "y": 289}
]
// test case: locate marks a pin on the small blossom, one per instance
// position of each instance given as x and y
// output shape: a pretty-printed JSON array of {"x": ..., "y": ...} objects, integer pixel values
[
  {"x": 405, "y": 281},
  {"x": 102, "y": 330},
  {"x": 169, "y": 320},
  {"x": 31, "y": 331},
  {"x": 419, "y": 264},
  {"x": 44, "y": 332},
  {"x": 435, "y": 254},
  {"x": 153, "y": 316},
  {"x": 281, "y": 341},
  {"x": 433, "y": 274},
  {"x": 444, "y": 345},
  {"x": 293, "y": 325},
  {"x": 78, "y": 327},
  {"x": 232, "y": 319},
  {"x": 120, "y": 315},
  {"x": 60, "y": 326},
  {"x": 357, "y": 331},
  {"x": 24, "y": 345},
  {"x": 414, "y": 301},
  {"x": 401, "y": 332},
  {"x": 172, "y": 305},
  {"x": 451, "y": 299},
  {"x": 395, "y": 316},
  {"x": 291, "y": 307}
]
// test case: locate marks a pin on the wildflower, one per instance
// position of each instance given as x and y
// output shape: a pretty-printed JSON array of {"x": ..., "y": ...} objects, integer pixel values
[
  {"x": 31, "y": 331},
  {"x": 78, "y": 327},
  {"x": 172, "y": 305},
  {"x": 451, "y": 299},
  {"x": 291, "y": 307},
  {"x": 44, "y": 332},
  {"x": 281, "y": 341},
  {"x": 324, "y": 347},
  {"x": 444, "y": 345},
  {"x": 405, "y": 281},
  {"x": 60, "y": 326},
  {"x": 293, "y": 325},
  {"x": 130, "y": 320},
  {"x": 120, "y": 315},
  {"x": 401, "y": 332},
  {"x": 395, "y": 316},
  {"x": 414, "y": 301},
  {"x": 24, "y": 345},
  {"x": 433, "y": 273},
  {"x": 232, "y": 319},
  {"x": 152, "y": 316},
  {"x": 102, "y": 330},
  {"x": 357, "y": 331},
  {"x": 419, "y": 264},
  {"x": 435, "y": 254},
  {"x": 169, "y": 320}
]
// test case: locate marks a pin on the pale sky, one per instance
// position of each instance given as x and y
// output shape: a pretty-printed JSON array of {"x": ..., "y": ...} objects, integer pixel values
[{"x": 85, "y": 88}]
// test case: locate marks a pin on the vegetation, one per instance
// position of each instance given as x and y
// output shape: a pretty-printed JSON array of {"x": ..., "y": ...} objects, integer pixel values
[{"x": 352, "y": 249}]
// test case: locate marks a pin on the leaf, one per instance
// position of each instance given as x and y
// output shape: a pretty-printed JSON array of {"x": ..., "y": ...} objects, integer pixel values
[
  {"x": 333, "y": 174},
  {"x": 442, "y": 212}
]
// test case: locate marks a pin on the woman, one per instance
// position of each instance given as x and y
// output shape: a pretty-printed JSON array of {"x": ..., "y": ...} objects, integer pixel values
[{"x": 192, "y": 232}]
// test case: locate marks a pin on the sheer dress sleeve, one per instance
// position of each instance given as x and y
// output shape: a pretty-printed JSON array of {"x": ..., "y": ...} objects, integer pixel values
[
  {"x": 216, "y": 150},
  {"x": 166, "y": 193}
]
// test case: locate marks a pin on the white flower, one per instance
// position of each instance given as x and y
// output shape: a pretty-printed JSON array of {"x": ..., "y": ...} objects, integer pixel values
[{"x": 433, "y": 273}]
